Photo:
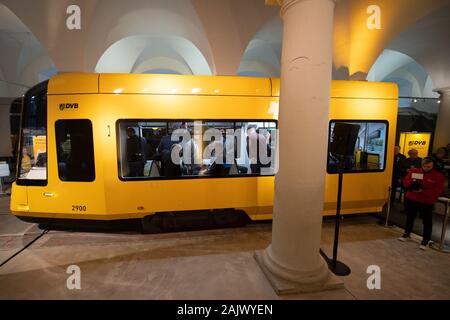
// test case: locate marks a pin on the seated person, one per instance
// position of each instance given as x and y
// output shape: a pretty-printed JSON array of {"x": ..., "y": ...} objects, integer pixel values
[
  {"x": 26, "y": 160},
  {"x": 41, "y": 159},
  {"x": 218, "y": 165},
  {"x": 189, "y": 159},
  {"x": 168, "y": 168}
]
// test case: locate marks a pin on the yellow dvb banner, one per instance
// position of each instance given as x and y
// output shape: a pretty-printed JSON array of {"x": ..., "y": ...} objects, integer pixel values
[
  {"x": 415, "y": 140},
  {"x": 39, "y": 145}
]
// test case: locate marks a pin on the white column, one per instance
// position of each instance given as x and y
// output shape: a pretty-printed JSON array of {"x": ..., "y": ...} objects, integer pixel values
[
  {"x": 442, "y": 133},
  {"x": 306, "y": 66}
]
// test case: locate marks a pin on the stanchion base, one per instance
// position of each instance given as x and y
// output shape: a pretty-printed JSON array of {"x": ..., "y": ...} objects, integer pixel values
[
  {"x": 445, "y": 249},
  {"x": 338, "y": 268},
  {"x": 383, "y": 224}
]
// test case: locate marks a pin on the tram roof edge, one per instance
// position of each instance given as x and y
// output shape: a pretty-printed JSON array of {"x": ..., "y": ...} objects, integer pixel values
[
  {"x": 74, "y": 83},
  {"x": 347, "y": 89},
  {"x": 106, "y": 83}
]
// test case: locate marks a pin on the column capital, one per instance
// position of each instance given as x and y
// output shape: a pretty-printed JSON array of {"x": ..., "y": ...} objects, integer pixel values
[
  {"x": 282, "y": 3},
  {"x": 288, "y": 4},
  {"x": 444, "y": 90}
]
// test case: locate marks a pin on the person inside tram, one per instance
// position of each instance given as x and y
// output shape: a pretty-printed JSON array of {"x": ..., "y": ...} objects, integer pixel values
[
  {"x": 153, "y": 141},
  {"x": 66, "y": 148},
  {"x": 41, "y": 160},
  {"x": 166, "y": 142},
  {"x": 165, "y": 149},
  {"x": 218, "y": 165},
  {"x": 169, "y": 169},
  {"x": 135, "y": 153},
  {"x": 26, "y": 161},
  {"x": 255, "y": 141},
  {"x": 190, "y": 146}
]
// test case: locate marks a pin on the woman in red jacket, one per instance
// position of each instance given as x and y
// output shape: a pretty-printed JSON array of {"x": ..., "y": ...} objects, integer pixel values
[{"x": 424, "y": 186}]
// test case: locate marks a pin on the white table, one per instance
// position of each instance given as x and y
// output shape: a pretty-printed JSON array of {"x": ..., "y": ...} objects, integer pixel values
[{"x": 4, "y": 172}]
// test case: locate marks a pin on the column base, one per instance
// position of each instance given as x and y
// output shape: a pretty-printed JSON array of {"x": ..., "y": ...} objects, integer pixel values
[{"x": 282, "y": 286}]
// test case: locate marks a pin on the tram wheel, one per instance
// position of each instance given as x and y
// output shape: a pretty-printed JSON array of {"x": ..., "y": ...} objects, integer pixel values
[{"x": 151, "y": 224}]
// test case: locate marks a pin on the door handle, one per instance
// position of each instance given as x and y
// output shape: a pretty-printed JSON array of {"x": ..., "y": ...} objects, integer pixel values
[{"x": 49, "y": 194}]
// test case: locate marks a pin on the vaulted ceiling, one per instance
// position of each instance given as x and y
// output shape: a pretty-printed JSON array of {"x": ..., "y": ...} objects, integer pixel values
[{"x": 223, "y": 37}]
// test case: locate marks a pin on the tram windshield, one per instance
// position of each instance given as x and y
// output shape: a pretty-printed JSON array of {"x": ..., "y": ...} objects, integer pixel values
[{"x": 33, "y": 145}]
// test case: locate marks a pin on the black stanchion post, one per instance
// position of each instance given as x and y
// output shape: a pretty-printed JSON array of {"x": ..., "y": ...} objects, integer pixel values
[
  {"x": 338, "y": 219},
  {"x": 337, "y": 267}
]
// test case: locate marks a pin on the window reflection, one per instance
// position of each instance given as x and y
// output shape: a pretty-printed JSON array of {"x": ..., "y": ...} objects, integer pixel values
[
  {"x": 361, "y": 146},
  {"x": 174, "y": 149},
  {"x": 33, "y": 156}
]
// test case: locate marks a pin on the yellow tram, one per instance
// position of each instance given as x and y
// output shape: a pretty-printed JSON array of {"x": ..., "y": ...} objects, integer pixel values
[{"x": 75, "y": 160}]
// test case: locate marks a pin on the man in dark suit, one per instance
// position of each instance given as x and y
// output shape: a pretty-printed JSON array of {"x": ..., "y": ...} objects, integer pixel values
[
  {"x": 397, "y": 172},
  {"x": 135, "y": 153},
  {"x": 168, "y": 168}
]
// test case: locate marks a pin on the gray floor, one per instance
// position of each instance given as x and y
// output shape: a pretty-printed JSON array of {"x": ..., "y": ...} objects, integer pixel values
[{"x": 211, "y": 264}]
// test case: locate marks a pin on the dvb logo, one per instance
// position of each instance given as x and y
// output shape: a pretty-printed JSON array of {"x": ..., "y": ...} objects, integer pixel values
[
  {"x": 417, "y": 143},
  {"x": 65, "y": 106}
]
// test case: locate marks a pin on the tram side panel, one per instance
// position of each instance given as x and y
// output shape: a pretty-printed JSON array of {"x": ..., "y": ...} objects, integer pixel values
[{"x": 363, "y": 192}]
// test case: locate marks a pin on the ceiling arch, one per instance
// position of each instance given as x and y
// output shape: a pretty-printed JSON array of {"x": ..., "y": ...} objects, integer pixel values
[
  {"x": 428, "y": 43},
  {"x": 158, "y": 19},
  {"x": 137, "y": 54},
  {"x": 410, "y": 76},
  {"x": 262, "y": 57},
  {"x": 23, "y": 60}
]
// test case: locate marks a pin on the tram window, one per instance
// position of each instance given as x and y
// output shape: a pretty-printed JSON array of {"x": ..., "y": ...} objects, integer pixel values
[
  {"x": 138, "y": 147},
  {"x": 367, "y": 151},
  {"x": 75, "y": 150},
  {"x": 33, "y": 153},
  {"x": 199, "y": 148}
]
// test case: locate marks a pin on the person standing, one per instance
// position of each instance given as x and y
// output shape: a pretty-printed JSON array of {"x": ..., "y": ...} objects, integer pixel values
[
  {"x": 413, "y": 161},
  {"x": 255, "y": 142},
  {"x": 396, "y": 174},
  {"x": 439, "y": 159},
  {"x": 424, "y": 186},
  {"x": 447, "y": 162},
  {"x": 135, "y": 153}
]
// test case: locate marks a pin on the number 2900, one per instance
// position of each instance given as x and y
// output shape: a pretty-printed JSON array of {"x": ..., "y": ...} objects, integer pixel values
[{"x": 78, "y": 208}]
